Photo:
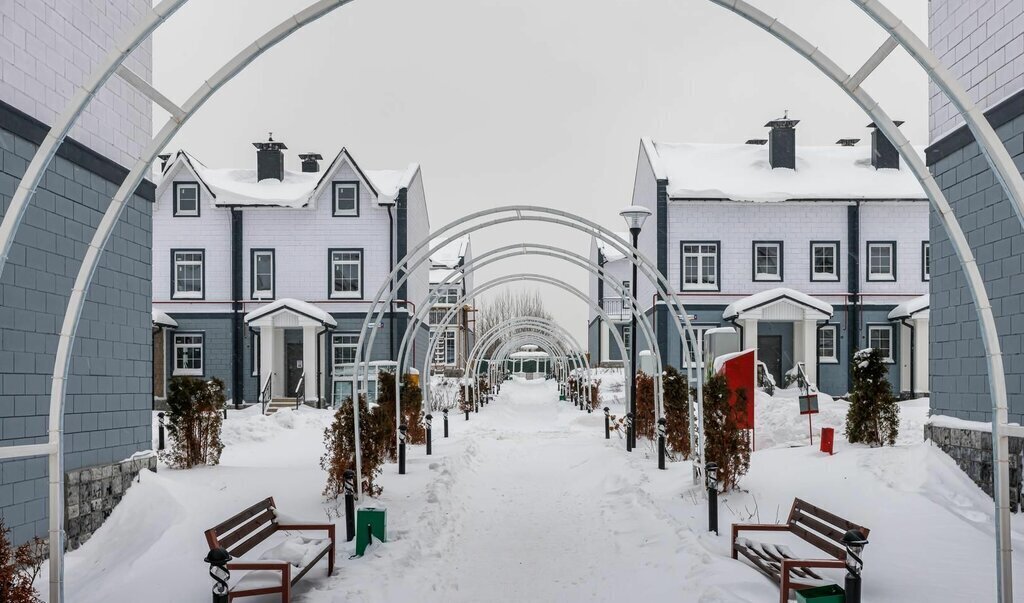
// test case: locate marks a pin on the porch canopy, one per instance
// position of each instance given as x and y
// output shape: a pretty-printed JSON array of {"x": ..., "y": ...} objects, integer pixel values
[
  {"x": 282, "y": 371},
  {"x": 783, "y": 305}
]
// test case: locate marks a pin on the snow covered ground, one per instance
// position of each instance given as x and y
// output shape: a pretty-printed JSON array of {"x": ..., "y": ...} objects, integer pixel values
[{"x": 527, "y": 501}]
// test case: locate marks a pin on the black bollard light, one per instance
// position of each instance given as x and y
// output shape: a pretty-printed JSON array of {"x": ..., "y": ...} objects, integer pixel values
[
  {"x": 444, "y": 412},
  {"x": 629, "y": 429},
  {"x": 161, "y": 444},
  {"x": 349, "y": 480},
  {"x": 712, "y": 475},
  {"x": 427, "y": 420},
  {"x": 467, "y": 413},
  {"x": 855, "y": 542},
  {"x": 607, "y": 424},
  {"x": 403, "y": 434},
  {"x": 218, "y": 560},
  {"x": 662, "y": 434}
]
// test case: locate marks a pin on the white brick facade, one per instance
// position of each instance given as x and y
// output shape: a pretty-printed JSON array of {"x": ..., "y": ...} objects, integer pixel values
[
  {"x": 982, "y": 43},
  {"x": 48, "y": 48}
]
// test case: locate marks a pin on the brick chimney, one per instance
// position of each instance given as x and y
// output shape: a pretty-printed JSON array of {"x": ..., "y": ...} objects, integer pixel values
[{"x": 269, "y": 159}]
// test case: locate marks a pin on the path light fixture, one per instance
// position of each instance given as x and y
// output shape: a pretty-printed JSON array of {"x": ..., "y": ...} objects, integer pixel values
[
  {"x": 218, "y": 559},
  {"x": 855, "y": 542},
  {"x": 712, "y": 476},
  {"x": 635, "y": 216}
]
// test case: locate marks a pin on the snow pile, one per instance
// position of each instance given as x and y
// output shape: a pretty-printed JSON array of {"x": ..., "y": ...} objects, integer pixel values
[{"x": 260, "y": 428}]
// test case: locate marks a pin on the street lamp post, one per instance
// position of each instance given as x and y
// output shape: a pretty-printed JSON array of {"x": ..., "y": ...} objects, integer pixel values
[{"x": 635, "y": 216}]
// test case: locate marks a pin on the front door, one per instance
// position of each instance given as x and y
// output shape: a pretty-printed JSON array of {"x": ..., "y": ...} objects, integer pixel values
[
  {"x": 769, "y": 351},
  {"x": 293, "y": 367}
]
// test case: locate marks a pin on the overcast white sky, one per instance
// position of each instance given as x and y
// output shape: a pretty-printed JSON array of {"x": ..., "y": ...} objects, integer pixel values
[{"x": 524, "y": 101}]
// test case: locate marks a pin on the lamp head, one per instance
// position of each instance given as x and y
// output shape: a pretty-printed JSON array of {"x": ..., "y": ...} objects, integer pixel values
[{"x": 635, "y": 216}]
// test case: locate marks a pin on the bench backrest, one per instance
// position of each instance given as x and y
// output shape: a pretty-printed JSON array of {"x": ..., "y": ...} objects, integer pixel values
[
  {"x": 821, "y": 528},
  {"x": 244, "y": 531}
]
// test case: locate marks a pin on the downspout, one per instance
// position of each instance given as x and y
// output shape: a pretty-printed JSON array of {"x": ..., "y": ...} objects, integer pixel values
[
  {"x": 237, "y": 330},
  {"x": 853, "y": 278},
  {"x": 600, "y": 303},
  {"x": 319, "y": 368},
  {"x": 391, "y": 285}
]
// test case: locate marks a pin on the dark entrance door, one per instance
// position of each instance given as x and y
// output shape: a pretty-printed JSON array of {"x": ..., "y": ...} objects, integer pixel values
[
  {"x": 769, "y": 351},
  {"x": 293, "y": 367}
]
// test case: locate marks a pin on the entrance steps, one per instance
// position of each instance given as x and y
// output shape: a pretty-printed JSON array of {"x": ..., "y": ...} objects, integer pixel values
[{"x": 278, "y": 403}]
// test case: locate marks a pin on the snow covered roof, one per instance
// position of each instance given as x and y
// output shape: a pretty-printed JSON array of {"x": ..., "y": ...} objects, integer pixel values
[
  {"x": 610, "y": 253},
  {"x": 764, "y": 298},
  {"x": 521, "y": 355},
  {"x": 917, "y": 308},
  {"x": 452, "y": 254},
  {"x": 228, "y": 187},
  {"x": 437, "y": 275},
  {"x": 162, "y": 319},
  {"x": 300, "y": 307},
  {"x": 741, "y": 172}
]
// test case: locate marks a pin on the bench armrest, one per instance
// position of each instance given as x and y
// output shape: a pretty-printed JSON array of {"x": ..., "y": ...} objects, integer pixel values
[
  {"x": 761, "y": 527},
  {"x": 821, "y": 563},
  {"x": 306, "y": 526}
]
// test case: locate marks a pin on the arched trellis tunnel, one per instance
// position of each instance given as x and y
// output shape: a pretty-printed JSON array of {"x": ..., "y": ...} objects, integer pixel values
[{"x": 992, "y": 148}]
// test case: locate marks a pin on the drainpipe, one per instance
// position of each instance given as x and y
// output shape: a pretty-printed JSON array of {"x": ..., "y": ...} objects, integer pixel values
[
  {"x": 237, "y": 326},
  {"x": 853, "y": 278},
  {"x": 319, "y": 364},
  {"x": 391, "y": 285}
]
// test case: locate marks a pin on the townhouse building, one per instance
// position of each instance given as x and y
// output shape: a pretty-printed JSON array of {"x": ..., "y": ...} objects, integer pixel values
[
  {"x": 263, "y": 276},
  {"x": 810, "y": 252},
  {"x": 448, "y": 285},
  {"x": 47, "y": 50}
]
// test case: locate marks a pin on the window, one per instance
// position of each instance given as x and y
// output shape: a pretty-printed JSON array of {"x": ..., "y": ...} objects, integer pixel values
[
  {"x": 828, "y": 344},
  {"x": 346, "y": 273},
  {"x": 926, "y": 261},
  {"x": 446, "y": 294},
  {"x": 346, "y": 198},
  {"x": 444, "y": 353},
  {"x": 880, "y": 338},
  {"x": 256, "y": 356},
  {"x": 767, "y": 260},
  {"x": 700, "y": 266},
  {"x": 186, "y": 199},
  {"x": 824, "y": 260},
  {"x": 344, "y": 353},
  {"x": 689, "y": 357},
  {"x": 261, "y": 274},
  {"x": 188, "y": 354},
  {"x": 187, "y": 270},
  {"x": 882, "y": 261}
]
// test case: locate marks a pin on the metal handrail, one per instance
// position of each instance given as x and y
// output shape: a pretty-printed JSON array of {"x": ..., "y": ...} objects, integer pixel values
[
  {"x": 300, "y": 390},
  {"x": 265, "y": 392}
]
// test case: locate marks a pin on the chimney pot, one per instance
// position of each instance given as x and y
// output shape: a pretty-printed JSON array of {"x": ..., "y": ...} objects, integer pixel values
[
  {"x": 310, "y": 162},
  {"x": 883, "y": 153},
  {"x": 757, "y": 141},
  {"x": 269, "y": 159},
  {"x": 782, "y": 142},
  {"x": 163, "y": 162},
  {"x": 847, "y": 142}
]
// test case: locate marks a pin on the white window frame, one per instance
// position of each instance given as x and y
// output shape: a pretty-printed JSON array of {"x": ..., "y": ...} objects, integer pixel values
[
  {"x": 833, "y": 358},
  {"x": 698, "y": 330},
  {"x": 341, "y": 341},
  {"x": 926, "y": 261},
  {"x": 704, "y": 252},
  {"x": 336, "y": 208},
  {"x": 872, "y": 329},
  {"x": 445, "y": 344},
  {"x": 357, "y": 262},
  {"x": 189, "y": 213},
  {"x": 777, "y": 276},
  {"x": 825, "y": 276},
  {"x": 256, "y": 293},
  {"x": 447, "y": 294},
  {"x": 201, "y": 263},
  {"x": 194, "y": 340},
  {"x": 889, "y": 276}
]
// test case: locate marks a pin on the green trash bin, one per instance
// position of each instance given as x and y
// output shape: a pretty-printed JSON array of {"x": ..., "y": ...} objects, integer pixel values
[
  {"x": 370, "y": 520},
  {"x": 833, "y": 593}
]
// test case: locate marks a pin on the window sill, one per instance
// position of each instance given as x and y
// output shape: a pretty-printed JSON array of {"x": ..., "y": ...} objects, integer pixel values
[
  {"x": 828, "y": 361},
  {"x": 346, "y": 214},
  {"x": 355, "y": 296},
  {"x": 190, "y": 373},
  {"x": 881, "y": 279},
  {"x": 197, "y": 296},
  {"x": 769, "y": 279},
  {"x": 825, "y": 279}
]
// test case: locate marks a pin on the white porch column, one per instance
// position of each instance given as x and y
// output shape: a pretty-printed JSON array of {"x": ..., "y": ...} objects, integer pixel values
[
  {"x": 921, "y": 355},
  {"x": 799, "y": 344},
  {"x": 277, "y": 361},
  {"x": 749, "y": 333},
  {"x": 810, "y": 349},
  {"x": 267, "y": 344},
  {"x": 905, "y": 356},
  {"x": 309, "y": 362}
]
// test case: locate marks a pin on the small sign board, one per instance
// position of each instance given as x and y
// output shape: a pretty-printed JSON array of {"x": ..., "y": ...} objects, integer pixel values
[{"x": 809, "y": 404}]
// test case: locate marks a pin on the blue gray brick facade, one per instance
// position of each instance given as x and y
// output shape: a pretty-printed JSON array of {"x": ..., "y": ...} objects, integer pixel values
[{"x": 108, "y": 411}]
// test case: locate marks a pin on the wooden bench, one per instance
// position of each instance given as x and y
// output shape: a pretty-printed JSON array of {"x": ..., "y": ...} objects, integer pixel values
[
  {"x": 255, "y": 526},
  {"x": 815, "y": 526}
]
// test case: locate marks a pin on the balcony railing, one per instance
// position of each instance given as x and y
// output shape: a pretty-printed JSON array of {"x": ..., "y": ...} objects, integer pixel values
[{"x": 618, "y": 308}]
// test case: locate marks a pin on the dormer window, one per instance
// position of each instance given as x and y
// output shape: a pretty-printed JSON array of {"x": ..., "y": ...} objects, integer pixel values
[
  {"x": 346, "y": 198},
  {"x": 186, "y": 199}
]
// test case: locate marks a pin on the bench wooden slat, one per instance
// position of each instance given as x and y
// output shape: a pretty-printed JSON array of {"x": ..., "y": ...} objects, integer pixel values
[
  {"x": 819, "y": 526},
  {"x": 247, "y": 528},
  {"x": 829, "y": 547},
  {"x": 259, "y": 537},
  {"x": 237, "y": 520},
  {"x": 833, "y": 519}
]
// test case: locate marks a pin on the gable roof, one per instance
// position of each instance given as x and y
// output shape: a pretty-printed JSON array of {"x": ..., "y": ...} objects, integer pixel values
[
  {"x": 451, "y": 255},
  {"x": 239, "y": 187},
  {"x": 611, "y": 254},
  {"x": 741, "y": 172},
  {"x": 772, "y": 296}
]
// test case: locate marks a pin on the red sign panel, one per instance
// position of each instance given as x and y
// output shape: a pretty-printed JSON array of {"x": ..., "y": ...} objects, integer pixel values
[{"x": 739, "y": 375}]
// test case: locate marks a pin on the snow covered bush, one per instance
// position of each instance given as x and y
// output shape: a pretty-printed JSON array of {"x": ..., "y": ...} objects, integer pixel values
[
  {"x": 644, "y": 419},
  {"x": 444, "y": 393},
  {"x": 411, "y": 406},
  {"x": 677, "y": 411},
  {"x": 339, "y": 439},
  {"x": 725, "y": 443},
  {"x": 595, "y": 394},
  {"x": 874, "y": 415},
  {"x": 194, "y": 421},
  {"x": 19, "y": 567}
]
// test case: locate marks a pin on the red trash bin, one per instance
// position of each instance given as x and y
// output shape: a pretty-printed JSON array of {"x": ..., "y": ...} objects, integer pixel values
[{"x": 827, "y": 436}]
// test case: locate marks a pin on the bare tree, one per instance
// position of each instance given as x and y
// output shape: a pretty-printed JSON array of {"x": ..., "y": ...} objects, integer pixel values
[{"x": 505, "y": 306}]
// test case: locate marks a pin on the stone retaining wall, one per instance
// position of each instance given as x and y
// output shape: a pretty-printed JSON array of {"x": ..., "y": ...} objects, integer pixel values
[
  {"x": 91, "y": 493},
  {"x": 972, "y": 451}
]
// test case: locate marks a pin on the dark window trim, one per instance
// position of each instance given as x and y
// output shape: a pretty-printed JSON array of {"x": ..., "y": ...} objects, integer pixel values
[
  {"x": 273, "y": 272},
  {"x": 893, "y": 357},
  {"x": 330, "y": 273},
  {"x": 838, "y": 259},
  {"x": 174, "y": 353},
  {"x": 718, "y": 264},
  {"x": 199, "y": 197},
  {"x": 753, "y": 262},
  {"x": 926, "y": 275},
  {"x": 835, "y": 343},
  {"x": 334, "y": 198},
  {"x": 867, "y": 262},
  {"x": 173, "y": 291}
]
